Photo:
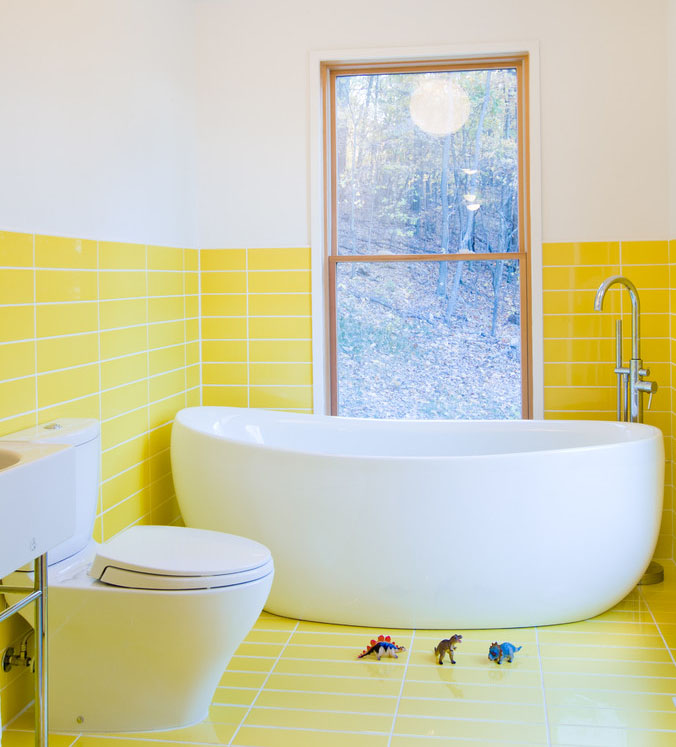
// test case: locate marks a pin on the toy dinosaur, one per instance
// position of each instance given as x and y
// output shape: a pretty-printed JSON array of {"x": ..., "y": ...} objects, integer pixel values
[
  {"x": 447, "y": 646},
  {"x": 498, "y": 650},
  {"x": 384, "y": 645}
]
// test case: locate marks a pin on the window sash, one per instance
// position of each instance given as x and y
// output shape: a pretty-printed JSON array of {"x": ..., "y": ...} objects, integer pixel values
[{"x": 332, "y": 71}]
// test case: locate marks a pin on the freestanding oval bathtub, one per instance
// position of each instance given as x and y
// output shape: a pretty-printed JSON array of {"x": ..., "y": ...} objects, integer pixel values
[{"x": 437, "y": 524}]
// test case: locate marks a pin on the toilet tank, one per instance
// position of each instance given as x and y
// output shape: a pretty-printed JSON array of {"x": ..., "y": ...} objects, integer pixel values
[{"x": 84, "y": 435}]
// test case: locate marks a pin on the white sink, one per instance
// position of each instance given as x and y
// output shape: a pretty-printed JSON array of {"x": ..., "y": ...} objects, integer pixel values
[{"x": 37, "y": 500}]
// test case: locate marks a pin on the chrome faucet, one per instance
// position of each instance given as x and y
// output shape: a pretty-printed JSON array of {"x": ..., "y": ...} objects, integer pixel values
[{"x": 630, "y": 380}]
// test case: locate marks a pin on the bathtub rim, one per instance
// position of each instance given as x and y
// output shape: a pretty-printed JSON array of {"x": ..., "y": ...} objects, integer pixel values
[{"x": 649, "y": 434}]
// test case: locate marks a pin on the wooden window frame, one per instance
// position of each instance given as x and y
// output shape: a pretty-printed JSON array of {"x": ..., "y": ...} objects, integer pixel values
[{"x": 520, "y": 62}]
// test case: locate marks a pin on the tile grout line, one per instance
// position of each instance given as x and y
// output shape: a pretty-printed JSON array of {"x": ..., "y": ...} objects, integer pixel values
[
  {"x": 657, "y": 625},
  {"x": 544, "y": 691},
  {"x": 401, "y": 689},
  {"x": 265, "y": 681}
]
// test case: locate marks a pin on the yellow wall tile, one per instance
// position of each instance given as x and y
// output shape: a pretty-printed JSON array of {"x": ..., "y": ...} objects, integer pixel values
[
  {"x": 279, "y": 259},
  {"x": 162, "y": 334},
  {"x": 63, "y": 386},
  {"x": 166, "y": 359},
  {"x": 118, "y": 256},
  {"x": 281, "y": 373},
  {"x": 649, "y": 276},
  {"x": 165, "y": 309},
  {"x": 276, "y": 350},
  {"x": 119, "y": 342},
  {"x": 224, "y": 350},
  {"x": 165, "y": 283},
  {"x": 232, "y": 304},
  {"x": 645, "y": 253},
  {"x": 123, "y": 313},
  {"x": 224, "y": 328},
  {"x": 123, "y": 428},
  {"x": 17, "y": 396},
  {"x": 18, "y": 359},
  {"x": 225, "y": 396},
  {"x": 280, "y": 327},
  {"x": 66, "y": 319},
  {"x": 280, "y": 304},
  {"x": 122, "y": 284},
  {"x": 224, "y": 282},
  {"x": 16, "y": 322},
  {"x": 165, "y": 258},
  {"x": 191, "y": 259},
  {"x": 118, "y": 459},
  {"x": 225, "y": 373},
  {"x": 130, "y": 511},
  {"x": 16, "y": 286},
  {"x": 222, "y": 259},
  {"x": 164, "y": 411},
  {"x": 63, "y": 352},
  {"x": 16, "y": 249},
  {"x": 159, "y": 439},
  {"x": 192, "y": 283},
  {"x": 124, "y": 398},
  {"x": 57, "y": 251},
  {"x": 84, "y": 407},
  {"x": 279, "y": 282},
  {"x": 65, "y": 285},
  {"x": 581, "y": 253},
  {"x": 167, "y": 385},
  {"x": 124, "y": 370},
  {"x": 281, "y": 397}
]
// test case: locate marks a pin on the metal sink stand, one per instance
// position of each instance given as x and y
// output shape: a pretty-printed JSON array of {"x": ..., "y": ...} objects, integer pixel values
[{"x": 37, "y": 594}]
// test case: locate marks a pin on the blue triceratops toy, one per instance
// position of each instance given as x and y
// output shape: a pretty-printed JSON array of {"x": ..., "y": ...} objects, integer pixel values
[{"x": 497, "y": 651}]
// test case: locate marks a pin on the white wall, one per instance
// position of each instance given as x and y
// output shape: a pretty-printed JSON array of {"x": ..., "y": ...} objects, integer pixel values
[
  {"x": 603, "y": 108},
  {"x": 97, "y": 119}
]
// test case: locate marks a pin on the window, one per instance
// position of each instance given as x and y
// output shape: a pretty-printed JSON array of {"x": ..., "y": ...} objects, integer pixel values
[{"x": 427, "y": 233}]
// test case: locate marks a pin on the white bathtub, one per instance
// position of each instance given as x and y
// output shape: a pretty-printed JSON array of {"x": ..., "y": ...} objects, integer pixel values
[{"x": 455, "y": 524}]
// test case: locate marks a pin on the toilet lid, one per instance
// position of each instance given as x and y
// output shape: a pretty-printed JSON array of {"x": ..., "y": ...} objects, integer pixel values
[{"x": 162, "y": 557}]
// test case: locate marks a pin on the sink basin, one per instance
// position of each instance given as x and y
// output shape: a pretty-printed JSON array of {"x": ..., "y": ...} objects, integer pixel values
[
  {"x": 8, "y": 458},
  {"x": 37, "y": 500}
]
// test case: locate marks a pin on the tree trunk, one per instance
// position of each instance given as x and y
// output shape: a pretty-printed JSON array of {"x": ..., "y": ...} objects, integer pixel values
[{"x": 466, "y": 242}]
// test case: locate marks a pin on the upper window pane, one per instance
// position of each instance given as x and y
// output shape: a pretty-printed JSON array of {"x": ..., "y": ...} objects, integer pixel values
[{"x": 427, "y": 163}]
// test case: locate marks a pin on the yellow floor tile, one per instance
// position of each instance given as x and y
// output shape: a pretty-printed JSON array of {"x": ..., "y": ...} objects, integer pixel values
[
  {"x": 240, "y": 679},
  {"x": 325, "y": 720},
  {"x": 27, "y": 739},
  {"x": 373, "y": 685},
  {"x": 487, "y": 730},
  {"x": 249, "y": 736},
  {"x": 586, "y": 736},
  {"x": 384, "y": 705},
  {"x": 488, "y": 692},
  {"x": 250, "y": 664},
  {"x": 466, "y": 709}
]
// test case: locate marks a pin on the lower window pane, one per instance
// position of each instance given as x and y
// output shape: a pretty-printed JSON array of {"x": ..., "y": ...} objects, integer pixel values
[{"x": 428, "y": 340}]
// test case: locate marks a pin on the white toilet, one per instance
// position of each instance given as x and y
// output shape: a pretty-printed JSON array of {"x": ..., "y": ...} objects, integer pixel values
[{"x": 140, "y": 627}]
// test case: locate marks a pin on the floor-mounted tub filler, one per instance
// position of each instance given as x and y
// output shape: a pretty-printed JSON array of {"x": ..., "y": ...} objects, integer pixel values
[{"x": 428, "y": 524}]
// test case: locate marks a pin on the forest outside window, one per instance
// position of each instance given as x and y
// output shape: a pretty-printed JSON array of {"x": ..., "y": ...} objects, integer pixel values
[{"x": 428, "y": 236}]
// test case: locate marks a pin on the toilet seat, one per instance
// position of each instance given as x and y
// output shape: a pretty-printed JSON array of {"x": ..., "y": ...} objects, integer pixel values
[{"x": 179, "y": 558}]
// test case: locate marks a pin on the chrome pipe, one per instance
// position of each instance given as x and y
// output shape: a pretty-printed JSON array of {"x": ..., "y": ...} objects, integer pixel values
[
  {"x": 40, "y": 676},
  {"x": 18, "y": 605},
  {"x": 618, "y": 365}
]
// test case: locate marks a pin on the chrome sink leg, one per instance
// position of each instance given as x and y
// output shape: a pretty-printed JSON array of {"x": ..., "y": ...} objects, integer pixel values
[{"x": 40, "y": 678}]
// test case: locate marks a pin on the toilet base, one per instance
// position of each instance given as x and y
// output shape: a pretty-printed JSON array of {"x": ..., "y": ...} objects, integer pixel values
[{"x": 124, "y": 660}]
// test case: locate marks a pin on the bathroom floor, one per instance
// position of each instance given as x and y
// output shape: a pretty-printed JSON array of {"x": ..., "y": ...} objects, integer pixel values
[{"x": 607, "y": 681}]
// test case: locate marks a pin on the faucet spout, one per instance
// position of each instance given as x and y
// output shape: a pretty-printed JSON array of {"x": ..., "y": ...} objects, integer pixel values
[{"x": 635, "y": 308}]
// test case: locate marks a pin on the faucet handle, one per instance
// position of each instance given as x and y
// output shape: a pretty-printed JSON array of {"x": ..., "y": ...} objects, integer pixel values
[{"x": 644, "y": 372}]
